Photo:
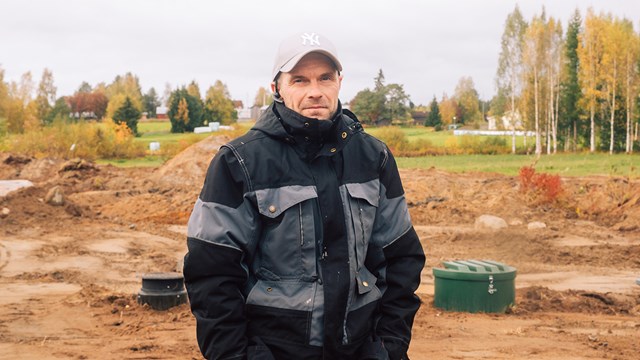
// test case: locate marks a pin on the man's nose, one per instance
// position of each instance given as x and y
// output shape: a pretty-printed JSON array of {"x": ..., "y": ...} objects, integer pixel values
[{"x": 314, "y": 90}]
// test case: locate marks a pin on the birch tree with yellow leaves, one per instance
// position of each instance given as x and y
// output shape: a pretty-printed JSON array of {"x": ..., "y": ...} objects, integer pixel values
[
  {"x": 590, "y": 53},
  {"x": 534, "y": 53},
  {"x": 631, "y": 67}
]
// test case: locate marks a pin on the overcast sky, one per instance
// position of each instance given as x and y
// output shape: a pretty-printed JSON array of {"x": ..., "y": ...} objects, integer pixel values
[{"x": 427, "y": 46}]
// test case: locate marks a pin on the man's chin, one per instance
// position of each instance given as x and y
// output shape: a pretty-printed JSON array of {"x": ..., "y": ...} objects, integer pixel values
[{"x": 317, "y": 114}]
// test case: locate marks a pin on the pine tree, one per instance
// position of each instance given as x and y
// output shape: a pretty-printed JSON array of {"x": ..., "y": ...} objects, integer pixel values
[
  {"x": 184, "y": 118},
  {"x": 571, "y": 92},
  {"x": 128, "y": 114},
  {"x": 434, "y": 119}
]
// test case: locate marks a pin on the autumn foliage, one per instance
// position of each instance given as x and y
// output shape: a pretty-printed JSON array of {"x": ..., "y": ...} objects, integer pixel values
[
  {"x": 545, "y": 188},
  {"x": 88, "y": 105}
]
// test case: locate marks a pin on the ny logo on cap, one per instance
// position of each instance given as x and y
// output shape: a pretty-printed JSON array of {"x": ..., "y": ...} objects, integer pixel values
[{"x": 313, "y": 39}]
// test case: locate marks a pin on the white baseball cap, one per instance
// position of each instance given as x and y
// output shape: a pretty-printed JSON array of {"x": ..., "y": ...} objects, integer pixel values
[{"x": 294, "y": 48}]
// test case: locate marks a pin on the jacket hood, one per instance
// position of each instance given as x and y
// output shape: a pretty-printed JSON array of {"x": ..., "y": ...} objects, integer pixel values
[
  {"x": 281, "y": 122},
  {"x": 312, "y": 136}
]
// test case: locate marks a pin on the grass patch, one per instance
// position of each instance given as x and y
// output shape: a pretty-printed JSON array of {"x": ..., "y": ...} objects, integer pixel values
[
  {"x": 160, "y": 131},
  {"x": 561, "y": 164},
  {"x": 443, "y": 138},
  {"x": 154, "y": 126},
  {"x": 414, "y": 134}
]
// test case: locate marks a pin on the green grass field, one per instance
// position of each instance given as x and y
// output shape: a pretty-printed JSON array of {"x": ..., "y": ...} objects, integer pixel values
[
  {"x": 564, "y": 164},
  {"x": 561, "y": 164},
  {"x": 160, "y": 131},
  {"x": 440, "y": 138}
]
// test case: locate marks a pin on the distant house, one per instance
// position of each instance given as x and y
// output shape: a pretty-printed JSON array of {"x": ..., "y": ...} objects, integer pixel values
[
  {"x": 244, "y": 115},
  {"x": 256, "y": 111},
  {"x": 238, "y": 104},
  {"x": 505, "y": 122},
  {"x": 419, "y": 117},
  {"x": 161, "y": 112}
]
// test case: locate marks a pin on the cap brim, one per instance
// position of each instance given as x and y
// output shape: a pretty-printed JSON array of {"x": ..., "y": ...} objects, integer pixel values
[{"x": 289, "y": 65}]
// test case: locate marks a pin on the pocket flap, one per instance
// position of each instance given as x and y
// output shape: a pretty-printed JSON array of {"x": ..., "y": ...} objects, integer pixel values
[
  {"x": 366, "y": 281},
  {"x": 273, "y": 202},
  {"x": 369, "y": 191}
]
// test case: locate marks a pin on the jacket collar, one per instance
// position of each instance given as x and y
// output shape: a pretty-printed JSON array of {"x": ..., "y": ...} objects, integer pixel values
[{"x": 312, "y": 136}]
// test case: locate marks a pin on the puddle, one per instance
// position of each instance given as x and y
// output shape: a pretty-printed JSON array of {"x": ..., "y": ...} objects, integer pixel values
[
  {"x": 7, "y": 186},
  {"x": 13, "y": 293}
]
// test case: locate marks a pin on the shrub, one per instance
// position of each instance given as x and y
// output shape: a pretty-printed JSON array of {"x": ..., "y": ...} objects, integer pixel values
[
  {"x": 544, "y": 187},
  {"x": 83, "y": 140},
  {"x": 129, "y": 115},
  {"x": 394, "y": 138}
]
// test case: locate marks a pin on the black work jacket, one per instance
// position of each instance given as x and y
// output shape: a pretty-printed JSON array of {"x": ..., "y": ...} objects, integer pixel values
[{"x": 301, "y": 245}]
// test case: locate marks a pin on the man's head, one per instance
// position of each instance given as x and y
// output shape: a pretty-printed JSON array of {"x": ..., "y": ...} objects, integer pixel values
[{"x": 306, "y": 76}]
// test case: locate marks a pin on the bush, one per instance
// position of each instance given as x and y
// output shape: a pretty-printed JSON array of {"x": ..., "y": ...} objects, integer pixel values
[
  {"x": 543, "y": 187},
  {"x": 129, "y": 115},
  {"x": 394, "y": 138},
  {"x": 469, "y": 144},
  {"x": 83, "y": 140}
]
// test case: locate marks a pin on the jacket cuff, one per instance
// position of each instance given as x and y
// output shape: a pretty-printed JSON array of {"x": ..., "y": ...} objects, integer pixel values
[{"x": 396, "y": 348}]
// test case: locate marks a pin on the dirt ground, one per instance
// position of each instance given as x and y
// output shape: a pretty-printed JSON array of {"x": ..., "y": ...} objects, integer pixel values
[{"x": 69, "y": 274}]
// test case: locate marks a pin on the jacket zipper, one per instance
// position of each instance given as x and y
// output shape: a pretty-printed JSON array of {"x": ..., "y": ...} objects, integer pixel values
[
  {"x": 361, "y": 228},
  {"x": 345, "y": 336},
  {"x": 301, "y": 227}
]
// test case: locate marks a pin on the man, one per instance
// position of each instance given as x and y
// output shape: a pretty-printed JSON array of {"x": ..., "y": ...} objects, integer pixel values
[{"x": 300, "y": 243}]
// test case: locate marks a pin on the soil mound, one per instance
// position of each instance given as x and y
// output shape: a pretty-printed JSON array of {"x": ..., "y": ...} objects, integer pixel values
[{"x": 189, "y": 166}]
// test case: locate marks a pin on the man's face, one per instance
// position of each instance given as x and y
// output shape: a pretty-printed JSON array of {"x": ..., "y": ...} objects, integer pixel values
[{"x": 311, "y": 88}]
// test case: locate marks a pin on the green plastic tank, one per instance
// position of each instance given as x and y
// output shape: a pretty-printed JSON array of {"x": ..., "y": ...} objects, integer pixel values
[{"x": 474, "y": 286}]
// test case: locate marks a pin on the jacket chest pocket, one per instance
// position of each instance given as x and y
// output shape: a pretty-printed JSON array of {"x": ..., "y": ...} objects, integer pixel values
[
  {"x": 363, "y": 200},
  {"x": 286, "y": 248}
]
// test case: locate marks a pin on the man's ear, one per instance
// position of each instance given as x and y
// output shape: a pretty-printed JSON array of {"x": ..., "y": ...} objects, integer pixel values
[{"x": 274, "y": 91}]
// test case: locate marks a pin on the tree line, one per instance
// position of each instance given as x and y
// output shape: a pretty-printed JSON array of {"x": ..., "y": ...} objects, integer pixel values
[
  {"x": 577, "y": 89},
  {"x": 25, "y": 106}
]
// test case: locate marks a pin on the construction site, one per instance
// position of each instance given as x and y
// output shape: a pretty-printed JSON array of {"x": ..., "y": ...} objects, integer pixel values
[{"x": 76, "y": 238}]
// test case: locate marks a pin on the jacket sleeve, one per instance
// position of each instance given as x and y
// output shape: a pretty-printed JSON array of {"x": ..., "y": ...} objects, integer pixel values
[
  {"x": 219, "y": 235},
  {"x": 404, "y": 260}
]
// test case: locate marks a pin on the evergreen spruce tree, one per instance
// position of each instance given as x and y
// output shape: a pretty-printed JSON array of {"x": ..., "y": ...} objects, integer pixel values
[
  {"x": 194, "y": 111},
  {"x": 128, "y": 114},
  {"x": 434, "y": 118},
  {"x": 571, "y": 93}
]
